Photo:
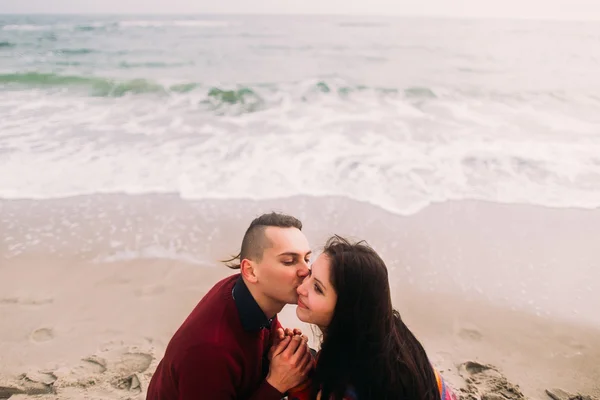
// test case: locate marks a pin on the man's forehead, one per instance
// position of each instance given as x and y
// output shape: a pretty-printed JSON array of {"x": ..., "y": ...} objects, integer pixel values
[{"x": 284, "y": 240}]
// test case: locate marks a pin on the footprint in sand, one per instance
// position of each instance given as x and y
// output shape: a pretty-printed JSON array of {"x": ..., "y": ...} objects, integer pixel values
[
  {"x": 25, "y": 302},
  {"x": 131, "y": 383},
  {"x": 470, "y": 334},
  {"x": 151, "y": 290},
  {"x": 30, "y": 384},
  {"x": 42, "y": 335},
  {"x": 87, "y": 373},
  {"x": 44, "y": 377},
  {"x": 131, "y": 363},
  {"x": 92, "y": 365},
  {"x": 572, "y": 343},
  {"x": 484, "y": 382}
]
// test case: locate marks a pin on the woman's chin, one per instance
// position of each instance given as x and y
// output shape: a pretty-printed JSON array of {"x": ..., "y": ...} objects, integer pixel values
[{"x": 301, "y": 314}]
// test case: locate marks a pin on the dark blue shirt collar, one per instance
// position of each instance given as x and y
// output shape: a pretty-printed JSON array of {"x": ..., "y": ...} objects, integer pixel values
[{"x": 251, "y": 315}]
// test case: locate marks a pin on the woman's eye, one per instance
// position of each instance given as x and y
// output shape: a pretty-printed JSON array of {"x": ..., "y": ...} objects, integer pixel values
[{"x": 318, "y": 289}]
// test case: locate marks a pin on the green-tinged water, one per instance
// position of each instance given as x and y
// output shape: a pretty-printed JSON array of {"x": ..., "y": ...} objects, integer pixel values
[{"x": 397, "y": 112}]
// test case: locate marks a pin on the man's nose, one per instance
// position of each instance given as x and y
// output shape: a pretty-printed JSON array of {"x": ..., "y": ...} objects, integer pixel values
[{"x": 303, "y": 269}]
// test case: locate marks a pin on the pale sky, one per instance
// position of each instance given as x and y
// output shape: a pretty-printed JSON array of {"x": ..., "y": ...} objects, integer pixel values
[{"x": 554, "y": 9}]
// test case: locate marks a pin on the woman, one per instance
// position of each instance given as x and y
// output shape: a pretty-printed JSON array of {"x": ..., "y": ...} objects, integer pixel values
[{"x": 367, "y": 351}]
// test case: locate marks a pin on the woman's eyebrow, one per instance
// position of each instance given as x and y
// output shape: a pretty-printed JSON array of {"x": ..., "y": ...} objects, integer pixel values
[{"x": 320, "y": 283}]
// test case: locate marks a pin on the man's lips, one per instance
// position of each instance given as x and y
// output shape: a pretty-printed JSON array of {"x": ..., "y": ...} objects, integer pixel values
[{"x": 301, "y": 304}]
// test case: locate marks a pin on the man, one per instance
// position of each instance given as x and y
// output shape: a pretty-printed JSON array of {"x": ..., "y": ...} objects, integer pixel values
[{"x": 223, "y": 348}]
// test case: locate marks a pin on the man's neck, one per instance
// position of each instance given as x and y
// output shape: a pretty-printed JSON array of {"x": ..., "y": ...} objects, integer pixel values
[{"x": 268, "y": 306}]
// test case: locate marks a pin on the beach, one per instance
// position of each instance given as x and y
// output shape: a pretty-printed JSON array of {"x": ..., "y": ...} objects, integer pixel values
[
  {"x": 135, "y": 150},
  {"x": 93, "y": 287}
]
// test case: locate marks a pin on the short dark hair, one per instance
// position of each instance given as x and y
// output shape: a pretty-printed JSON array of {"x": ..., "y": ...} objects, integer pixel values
[{"x": 255, "y": 241}]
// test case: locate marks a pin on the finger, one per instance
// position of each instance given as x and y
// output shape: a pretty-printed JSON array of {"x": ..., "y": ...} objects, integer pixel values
[
  {"x": 280, "y": 333},
  {"x": 275, "y": 347},
  {"x": 289, "y": 332},
  {"x": 308, "y": 363},
  {"x": 281, "y": 346},
  {"x": 271, "y": 353},
  {"x": 300, "y": 352},
  {"x": 294, "y": 343},
  {"x": 297, "y": 331},
  {"x": 305, "y": 366},
  {"x": 277, "y": 337}
]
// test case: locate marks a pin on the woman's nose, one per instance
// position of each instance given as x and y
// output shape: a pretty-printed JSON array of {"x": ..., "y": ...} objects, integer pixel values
[{"x": 302, "y": 288}]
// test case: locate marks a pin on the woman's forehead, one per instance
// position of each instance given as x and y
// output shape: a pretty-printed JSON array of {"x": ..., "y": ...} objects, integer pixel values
[{"x": 320, "y": 267}]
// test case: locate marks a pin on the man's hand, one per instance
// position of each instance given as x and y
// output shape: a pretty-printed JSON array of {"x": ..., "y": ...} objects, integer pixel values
[
  {"x": 290, "y": 363},
  {"x": 281, "y": 334}
]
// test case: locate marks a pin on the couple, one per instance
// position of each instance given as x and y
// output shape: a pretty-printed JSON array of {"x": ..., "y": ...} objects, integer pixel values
[{"x": 232, "y": 346}]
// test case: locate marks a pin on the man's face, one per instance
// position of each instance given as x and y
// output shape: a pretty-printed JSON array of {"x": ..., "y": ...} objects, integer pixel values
[{"x": 284, "y": 264}]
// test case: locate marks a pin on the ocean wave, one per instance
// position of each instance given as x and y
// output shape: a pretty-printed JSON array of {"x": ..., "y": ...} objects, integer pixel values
[
  {"x": 408, "y": 146},
  {"x": 74, "y": 52},
  {"x": 246, "y": 98},
  {"x": 252, "y": 98},
  {"x": 97, "y": 86},
  {"x": 4, "y": 45},
  {"x": 362, "y": 24},
  {"x": 35, "y": 79},
  {"x": 174, "y": 23},
  {"x": 150, "y": 64},
  {"x": 104, "y": 25},
  {"x": 69, "y": 63},
  {"x": 95, "y": 26}
]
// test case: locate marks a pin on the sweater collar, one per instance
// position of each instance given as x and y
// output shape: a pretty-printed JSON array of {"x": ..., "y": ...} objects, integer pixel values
[{"x": 251, "y": 315}]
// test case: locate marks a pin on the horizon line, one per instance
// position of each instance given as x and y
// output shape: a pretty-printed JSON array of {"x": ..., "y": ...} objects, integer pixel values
[{"x": 306, "y": 14}]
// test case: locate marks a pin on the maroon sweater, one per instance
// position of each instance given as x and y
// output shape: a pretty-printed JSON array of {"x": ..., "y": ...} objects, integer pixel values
[{"x": 220, "y": 350}]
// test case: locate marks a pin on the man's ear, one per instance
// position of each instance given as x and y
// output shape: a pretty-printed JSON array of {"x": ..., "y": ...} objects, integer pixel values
[{"x": 248, "y": 270}]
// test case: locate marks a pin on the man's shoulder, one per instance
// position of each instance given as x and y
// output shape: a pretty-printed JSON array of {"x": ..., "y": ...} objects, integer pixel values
[
  {"x": 218, "y": 299},
  {"x": 227, "y": 282},
  {"x": 212, "y": 322}
]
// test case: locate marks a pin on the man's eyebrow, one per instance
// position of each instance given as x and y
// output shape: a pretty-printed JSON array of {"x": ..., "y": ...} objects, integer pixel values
[{"x": 294, "y": 254}]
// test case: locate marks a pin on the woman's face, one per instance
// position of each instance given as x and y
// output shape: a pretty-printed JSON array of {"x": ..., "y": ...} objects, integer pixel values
[{"x": 316, "y": 296}]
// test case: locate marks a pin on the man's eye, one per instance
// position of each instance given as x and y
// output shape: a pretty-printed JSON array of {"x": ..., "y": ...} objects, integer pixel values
[{"x": 288, "y": 262}]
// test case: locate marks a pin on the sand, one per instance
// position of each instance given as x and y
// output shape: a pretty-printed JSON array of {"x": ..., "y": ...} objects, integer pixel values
[{"x": 504, "y": 297}]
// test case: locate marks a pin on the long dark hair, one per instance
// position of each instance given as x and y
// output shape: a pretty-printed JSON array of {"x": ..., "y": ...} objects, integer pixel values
[{"x": 367, "y": 346}]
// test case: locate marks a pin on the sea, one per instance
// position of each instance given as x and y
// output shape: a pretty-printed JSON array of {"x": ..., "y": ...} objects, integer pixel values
[{"x": 396, "y": 112}]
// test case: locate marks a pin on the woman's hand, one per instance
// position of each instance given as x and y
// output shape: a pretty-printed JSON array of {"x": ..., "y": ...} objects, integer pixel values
[{"x": 282, "y": 334}]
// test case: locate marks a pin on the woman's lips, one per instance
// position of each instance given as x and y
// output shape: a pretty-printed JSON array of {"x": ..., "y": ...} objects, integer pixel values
[{"x": 301, "y": 304}]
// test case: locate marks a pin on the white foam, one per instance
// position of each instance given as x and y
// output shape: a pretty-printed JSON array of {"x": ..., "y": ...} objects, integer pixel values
[
  {"x": 367, "y": 146},
  {"x": 27, "y": 27}
]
